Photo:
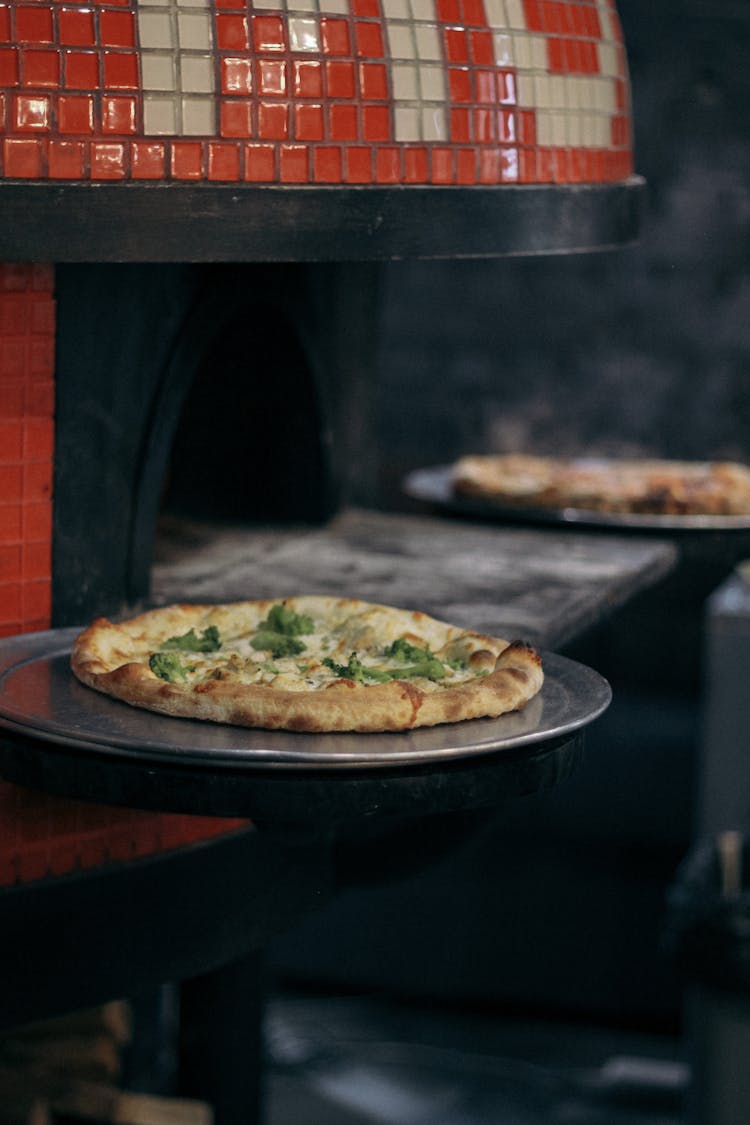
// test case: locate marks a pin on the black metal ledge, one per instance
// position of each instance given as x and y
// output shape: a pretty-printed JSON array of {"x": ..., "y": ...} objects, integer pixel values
[{"x": 178, "y": 222}]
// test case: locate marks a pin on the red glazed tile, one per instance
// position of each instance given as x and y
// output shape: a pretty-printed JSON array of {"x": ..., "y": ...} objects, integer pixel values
[
  {"x": 272, "y": 77},
  {"x": 8, "y": 67},
  {"x": 555, "y": 55},
  {"x": 120, "y": 71},
  {"x": 38, "y": 438},
  {"x": 42, "y": 352},
  {"x": 10, "y": 561},
  {"x": 31, "y": 113},
  {"x": 533, "y": 15},
  {"x": 415, "y": 165},
  {"x": 11, "y": 440},
  {"x": 13, "y": 383},
  {"x": 273, "y": 121},
  {"x": 36, "y": 600},
  {"x": 223, "y": 162},
  {"x": 484, "y": 125},
  {"x": 460, "y": 120},
  {"x": 376, "y": 123},
  {"x": 187, "y": 160},
  {"x": 10, "y": 601},
  {"x": 509, "y": 165},
  {"x": 34, "y": 24},
  {"x": 11, "y": 483},
  {"x": 37, "y": 481},
  {"x": 37, "y": 521},
  {"x": 75, "y": 113},
  {"x": 268, "y": 33},
  {"x": 307, "y": 78},
  {"x": 506, "y": 125},
  {"x": 294, "y": 164},
  {"x": 459, "y": 85},
  {"x": 22, "y": 158},
  {"x": 14, "y": 316},
  {"x": 42, "y": 277},
  {"x": 236, "y": 76},
  {"x": 42, "y": 315},
  {"x": 37, "y": 560},
  {"x": 107, "y": 161},
  {"x": 260, "y": 163},
  {"x": 506, "y": 87},
  {"x": 81, "y": 70},
  {"x": 147, "y": 160},
  {"x": 366, "y": 8},
  {"x": 40, "y": 398},
  {"x": 369, "y": 40},
  {"x": 441, "y": 163},
  {"x": 5, "y": 35},
  {"x": 473, "y": 14},
  {"x": 456, "y": 45},
  {"x": 373, "y": 81},
  {"x": 76, "y": 27},
  {"x": 65, "y": 160},
  {"x": 358, "y": 164},
  {"x": 236, "y": 118},
  {"x": 388, "y": 165},
  {"x": 481, "y": 48},
  {"x": 117, "y": 29},
  {"x": 118, "y": 114},
  {"x": 561, "y": 173},
  {"x": 334, "y": 36},
  {"x": 449, "y": 11},
  {"x": 339, "y": 78},
  {"x": 232, "y": 33},
  {"x": 571, "y": 56},
  {"x": 40, "y": 68},
  {"x": 342, "y": 122},
  {"x": 308, "y": 122},
  {"x": 485, "y": 87},
  {"x": 11, "y": 523},
  {"x": 551, "y": 16},
  {"x": 327, "y": 164},
  {"x": 527, "y": 127}
]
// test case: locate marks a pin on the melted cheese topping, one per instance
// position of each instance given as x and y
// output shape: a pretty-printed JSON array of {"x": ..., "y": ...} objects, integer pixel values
[{"x": 365, "y": 636}]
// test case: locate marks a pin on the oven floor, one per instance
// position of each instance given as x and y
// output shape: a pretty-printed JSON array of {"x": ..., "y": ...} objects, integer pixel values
[{"x": 349, "y": 1060}]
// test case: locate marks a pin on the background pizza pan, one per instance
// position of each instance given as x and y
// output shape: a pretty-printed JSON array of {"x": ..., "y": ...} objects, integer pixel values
[
  {"x": 433, "y": 486},
  {"x": 41, "y": 699}
]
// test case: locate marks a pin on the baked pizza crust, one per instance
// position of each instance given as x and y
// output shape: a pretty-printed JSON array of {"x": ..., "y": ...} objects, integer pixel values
[
  {"x": 496, "y": 676},
  {"x": 644, "y": 486}
]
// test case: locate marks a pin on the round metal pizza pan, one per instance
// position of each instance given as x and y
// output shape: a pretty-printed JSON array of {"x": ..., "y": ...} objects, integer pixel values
[
  {"x": 41, "y": 700},
  {"x": 433, "y": 486}
]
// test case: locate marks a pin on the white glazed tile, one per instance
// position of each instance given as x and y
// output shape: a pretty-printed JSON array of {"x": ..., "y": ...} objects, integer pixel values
[
  {"x": 396, "y": 9},
  {"x": 198, "y": 117},
  {"x": 156, "y": 29},
  {"x": 525, "y": 89},
  {"x": 159, "y": 115},
  {"x": 197, "y": 74},
  {"x": 495, "y": 13},
  {"x": 516, "y": 16},
  {"x": 158, "y": 70},
  {"x": 304, "y": 34},
  {"x": 503, "y": 50},
  {"x": 543, "y": 128},
  {"x": 195, "y": 31},
  {"x": 423, "y": 11},
  {"x": 406, "y": 124},
  {"x": 434, "y": 126},
  {"x": 432, "y": 83},
  {"x": 404, "y": 82},
  {"x": 539, "y": 55},
  {"x": 429, "y": 42},
  {"x": 401, "y": 41}
]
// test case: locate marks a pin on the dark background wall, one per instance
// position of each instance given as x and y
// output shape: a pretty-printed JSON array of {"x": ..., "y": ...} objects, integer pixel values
[{"x": 644, "y": 350}]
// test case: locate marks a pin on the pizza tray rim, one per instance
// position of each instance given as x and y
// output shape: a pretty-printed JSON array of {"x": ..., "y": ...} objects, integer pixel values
[{"x": 575, "y": 693}]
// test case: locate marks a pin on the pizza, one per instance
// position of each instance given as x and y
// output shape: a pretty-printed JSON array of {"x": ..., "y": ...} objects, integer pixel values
[
  {"x": 309, "y": 663},
  {"x": 647, "y": 486}
]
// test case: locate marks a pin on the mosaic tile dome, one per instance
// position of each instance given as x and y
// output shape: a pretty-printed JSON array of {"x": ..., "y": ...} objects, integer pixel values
[{"x": 314, "y": 91}]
